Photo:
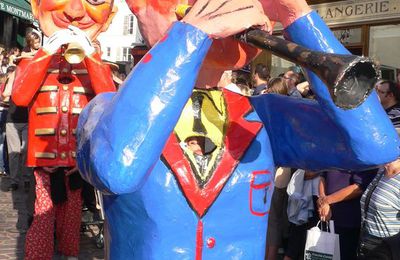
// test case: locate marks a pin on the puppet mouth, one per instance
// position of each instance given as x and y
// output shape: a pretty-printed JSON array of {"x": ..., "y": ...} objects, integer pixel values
[{"x": 62, "y": 22}]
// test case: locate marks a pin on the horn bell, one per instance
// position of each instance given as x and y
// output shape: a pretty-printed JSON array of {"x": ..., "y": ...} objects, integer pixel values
[
  {"x": 74, "y": 53},
  {"x": 350, "y": 79}
]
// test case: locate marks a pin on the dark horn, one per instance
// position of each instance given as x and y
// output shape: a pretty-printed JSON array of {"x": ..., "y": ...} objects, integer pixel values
[{"x": 349, "y": 78}]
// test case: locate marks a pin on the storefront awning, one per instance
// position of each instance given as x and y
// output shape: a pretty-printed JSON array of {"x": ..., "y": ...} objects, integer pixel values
[{"x": 19, "y": 8}]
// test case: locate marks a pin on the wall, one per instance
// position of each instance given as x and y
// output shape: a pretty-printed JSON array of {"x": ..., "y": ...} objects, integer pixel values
[{"x": 114, "y": 37}]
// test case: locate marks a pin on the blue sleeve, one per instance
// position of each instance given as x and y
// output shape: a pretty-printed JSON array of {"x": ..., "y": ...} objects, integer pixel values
[
  {"x": 319, "y": 135},
  {"x": 121, "y": 136}
]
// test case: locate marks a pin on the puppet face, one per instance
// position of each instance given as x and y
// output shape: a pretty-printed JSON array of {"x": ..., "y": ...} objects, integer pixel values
[
  {"x": 91, "y": 16},
  {"x": 156, "y": 16}
]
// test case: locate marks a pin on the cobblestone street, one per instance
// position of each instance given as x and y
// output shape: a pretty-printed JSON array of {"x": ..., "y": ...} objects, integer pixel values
[{"x": 12, "y": 241}]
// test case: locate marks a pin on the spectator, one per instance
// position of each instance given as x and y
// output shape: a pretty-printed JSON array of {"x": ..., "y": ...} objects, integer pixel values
[
  {"x": 33, "y": 41},
  {"x": 292, "y": 79},
  {"x": 226, "y": 82},
  {"x": 339, "y": 200},
  {"x": 380, "y": 203},
  {"x": 2, "y": 52},
  {"x": 3, "y": 116},
  {"x": 260, "y": 78},
  {"x": 17, "y": 134},
  {"x": 5, "y": 64},
  {"x": 278, "y": 223},
  {"x": 298, "y": 231},
  {"x": 14, "y": 53},
  {"x": 115, "y": 73},
  {"x": 380, "y": 208},
  {"x": 122, "y": 76},
  {"x": 242, "y": 80},
  {"x": 304, "y": 89},
  {"x": 3, "y": 79},
  {"x": 277, "y": 86},
  {"x": 389, "y": 95}
]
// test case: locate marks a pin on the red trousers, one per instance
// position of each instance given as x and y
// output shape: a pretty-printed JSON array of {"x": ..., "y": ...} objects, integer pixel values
[{"x": 39, "y": 242}]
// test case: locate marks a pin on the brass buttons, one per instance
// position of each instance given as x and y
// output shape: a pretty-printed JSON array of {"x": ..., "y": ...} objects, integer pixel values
[
  {"x": 64, "y": 109},
  {"x": 65, "y": 87},
  {"x": 63, "y": 155},
  {"x": 63, "y": 132},
  {"x": 73, "y": 154}
]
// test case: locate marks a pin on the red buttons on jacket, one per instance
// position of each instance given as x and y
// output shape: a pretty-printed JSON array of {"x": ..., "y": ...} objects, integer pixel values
[{"x": 210, "y": 242}]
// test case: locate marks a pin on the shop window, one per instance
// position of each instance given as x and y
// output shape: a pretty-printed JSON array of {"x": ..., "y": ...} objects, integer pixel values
[
  {"x": 349, "y": 36},
  {"x": 384, "y": 48}
]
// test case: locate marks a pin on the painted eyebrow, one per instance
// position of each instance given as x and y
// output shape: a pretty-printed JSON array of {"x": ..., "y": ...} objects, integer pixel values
[
  {"x": 216, "y": 9},
  {"x": 236, "y": 10}
]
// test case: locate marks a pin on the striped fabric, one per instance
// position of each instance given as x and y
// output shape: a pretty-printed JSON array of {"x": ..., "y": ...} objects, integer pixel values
[
  {"x": 383, "y": 214},
  {"x": 394, "y": 115}
]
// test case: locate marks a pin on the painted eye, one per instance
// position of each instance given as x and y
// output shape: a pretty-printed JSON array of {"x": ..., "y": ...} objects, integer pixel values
[{"x": 96, "y": 2}]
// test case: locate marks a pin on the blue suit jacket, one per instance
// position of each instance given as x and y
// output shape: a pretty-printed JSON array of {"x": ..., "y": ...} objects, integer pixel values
[{"x": 154, "y": 207}]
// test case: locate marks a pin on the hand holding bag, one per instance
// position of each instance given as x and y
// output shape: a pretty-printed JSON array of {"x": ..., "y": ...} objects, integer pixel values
[{"x": 322, "y": 245}]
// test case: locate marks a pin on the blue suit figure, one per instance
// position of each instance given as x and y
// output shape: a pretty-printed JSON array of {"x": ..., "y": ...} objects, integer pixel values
[{"x": 188, "y": 173}]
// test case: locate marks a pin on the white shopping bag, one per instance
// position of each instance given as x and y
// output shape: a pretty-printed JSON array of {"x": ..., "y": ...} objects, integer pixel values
[{"x": 322, "y": 245}]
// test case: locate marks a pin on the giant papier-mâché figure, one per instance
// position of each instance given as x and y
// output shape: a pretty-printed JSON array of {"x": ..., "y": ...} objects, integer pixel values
[
  {"x": 186, "y": 169},
  {"x": 55, "y": 92}
]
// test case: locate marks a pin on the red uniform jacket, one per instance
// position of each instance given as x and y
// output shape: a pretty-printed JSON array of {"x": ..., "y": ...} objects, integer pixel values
[{"x": 55, "y": 104}]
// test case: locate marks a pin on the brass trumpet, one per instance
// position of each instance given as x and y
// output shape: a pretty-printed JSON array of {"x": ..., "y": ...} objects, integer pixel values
[
  {"x": 350, "y": 79},
  {"x": 74, "y": 53}
]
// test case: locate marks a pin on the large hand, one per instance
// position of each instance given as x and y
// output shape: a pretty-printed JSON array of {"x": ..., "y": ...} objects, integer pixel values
[
  {"x": 59, "y": 38},
  {"x": 81, "y": 38},
  {"x": 221, "y": 18},
  {"x": 285, "y": 11}
]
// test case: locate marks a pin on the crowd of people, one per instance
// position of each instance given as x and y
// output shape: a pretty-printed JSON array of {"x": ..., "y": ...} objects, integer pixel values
[
  {"x": 290, "y": 83},
  {"x": 363, "y": 205}
]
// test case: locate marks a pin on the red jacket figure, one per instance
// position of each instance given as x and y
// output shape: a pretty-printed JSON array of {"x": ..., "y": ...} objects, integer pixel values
[{"x": 56, "y": 84}]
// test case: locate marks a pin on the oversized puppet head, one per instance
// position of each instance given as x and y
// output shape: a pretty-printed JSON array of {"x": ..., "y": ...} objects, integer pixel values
[
  {"x": 156, "y": 16},
  {"x": 91, "y": 16}
]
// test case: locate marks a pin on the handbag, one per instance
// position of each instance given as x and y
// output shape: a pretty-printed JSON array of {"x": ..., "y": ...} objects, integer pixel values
[{"x": 322, "y": 245}]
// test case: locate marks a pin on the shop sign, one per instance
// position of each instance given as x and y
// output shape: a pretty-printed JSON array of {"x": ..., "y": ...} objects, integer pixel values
[
  {"x": 15, "y": 10},
  {"x": 348, "y": 12}
]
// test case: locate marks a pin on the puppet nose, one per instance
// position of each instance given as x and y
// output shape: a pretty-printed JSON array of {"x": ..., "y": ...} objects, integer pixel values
[{"x": 75, "y": 10}]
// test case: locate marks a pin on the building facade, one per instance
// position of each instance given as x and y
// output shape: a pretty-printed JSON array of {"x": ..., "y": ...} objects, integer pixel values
[
  {"x": 122, "y": 35},
  {"x": 365, "y": 27},
  {"x": 15, "y": 20}
]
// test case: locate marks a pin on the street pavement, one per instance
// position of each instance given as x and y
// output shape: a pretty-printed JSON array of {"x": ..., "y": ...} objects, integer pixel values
[{"x": 12, "y": 240}]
